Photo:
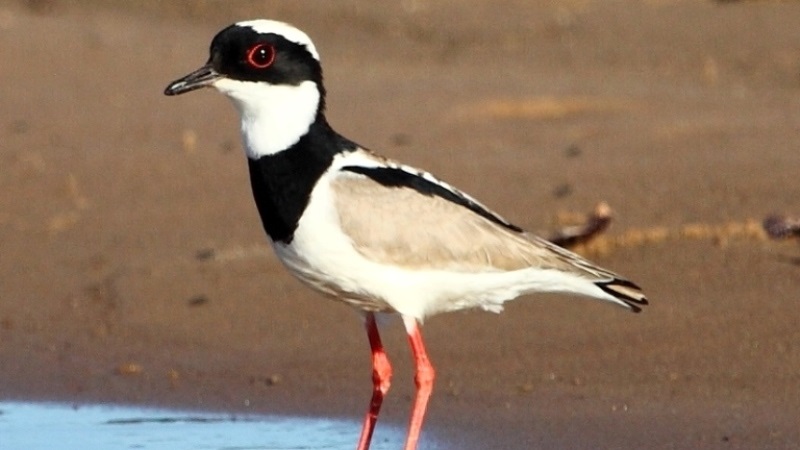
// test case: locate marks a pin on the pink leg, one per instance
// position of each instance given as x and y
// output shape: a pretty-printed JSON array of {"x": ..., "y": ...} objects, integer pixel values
[
  {"x": 381, "y": 380},
  {"x": 423, "y": 378}
]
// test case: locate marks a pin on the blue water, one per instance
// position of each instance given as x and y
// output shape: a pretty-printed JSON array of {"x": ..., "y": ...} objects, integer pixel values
[{"x": 34, "y": 426}]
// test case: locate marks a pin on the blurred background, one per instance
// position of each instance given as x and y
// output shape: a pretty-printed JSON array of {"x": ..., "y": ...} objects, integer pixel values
[{"x": 134, "y": 269}]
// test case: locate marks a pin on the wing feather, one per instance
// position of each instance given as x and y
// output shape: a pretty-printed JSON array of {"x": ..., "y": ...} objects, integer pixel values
[{"x": 398, "y": 225}]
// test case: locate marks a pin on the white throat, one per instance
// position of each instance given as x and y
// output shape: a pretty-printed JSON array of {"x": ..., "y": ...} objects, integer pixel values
[{"x": 274, "y": 117}]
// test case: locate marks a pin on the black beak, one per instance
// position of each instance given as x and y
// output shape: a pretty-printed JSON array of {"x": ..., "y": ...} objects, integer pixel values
[{"x": 201, "y": 77}]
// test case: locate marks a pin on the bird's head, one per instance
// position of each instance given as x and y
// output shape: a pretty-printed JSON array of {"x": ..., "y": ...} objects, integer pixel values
[{"x": 272, "y": 73}]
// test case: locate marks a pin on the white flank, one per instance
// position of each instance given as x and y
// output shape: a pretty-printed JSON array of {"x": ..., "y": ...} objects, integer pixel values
[
  {"x": 274, "y": 117},
  {"x": 284, "y": 29}
]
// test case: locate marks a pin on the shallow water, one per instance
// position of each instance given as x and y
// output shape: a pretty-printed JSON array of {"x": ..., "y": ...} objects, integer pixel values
[{"x": 34, "y": 426}]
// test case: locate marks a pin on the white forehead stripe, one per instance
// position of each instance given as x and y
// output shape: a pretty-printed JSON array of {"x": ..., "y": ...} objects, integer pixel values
[{"x": 284, "y": 29}]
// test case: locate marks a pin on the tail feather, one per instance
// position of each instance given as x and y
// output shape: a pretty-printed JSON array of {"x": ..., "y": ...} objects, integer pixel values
[{"x": 626, "y": 292}]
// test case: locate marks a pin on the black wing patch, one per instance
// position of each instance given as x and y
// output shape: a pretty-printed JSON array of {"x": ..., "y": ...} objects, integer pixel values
[{"x": 397, "y": 177}]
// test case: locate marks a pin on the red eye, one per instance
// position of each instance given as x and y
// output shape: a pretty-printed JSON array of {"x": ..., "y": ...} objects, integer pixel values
[{"x": 261, "y": 56}]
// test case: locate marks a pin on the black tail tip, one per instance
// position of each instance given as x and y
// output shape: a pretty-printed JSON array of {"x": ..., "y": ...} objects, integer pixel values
[{"x": 626, "y": 292}]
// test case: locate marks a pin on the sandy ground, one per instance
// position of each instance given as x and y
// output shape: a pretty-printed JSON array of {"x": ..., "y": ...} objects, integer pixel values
[{"x": 133, "y": 267}]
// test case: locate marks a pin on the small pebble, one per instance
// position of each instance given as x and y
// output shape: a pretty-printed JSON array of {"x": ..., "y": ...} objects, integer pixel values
[
  {"x": 573, "y": 151},
  {"x": 205, "y": 254},
  {"x": 189, "y": 141},
  {"x": 562, "y": 190},
  {"x": 198, "y": 300},
  {"x": 401, "y": 139},
  {"x": 129, "y": 368}
]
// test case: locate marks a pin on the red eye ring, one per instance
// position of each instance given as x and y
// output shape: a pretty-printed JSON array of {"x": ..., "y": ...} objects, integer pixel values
[{"x": 261, "y": 56}]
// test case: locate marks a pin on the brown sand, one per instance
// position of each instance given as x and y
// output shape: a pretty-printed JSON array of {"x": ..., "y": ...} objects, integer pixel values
[{"x": 134, "y": 268}]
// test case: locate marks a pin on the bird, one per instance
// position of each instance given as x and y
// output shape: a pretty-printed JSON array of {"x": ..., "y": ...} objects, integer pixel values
[{"x": 364, "y": 229}]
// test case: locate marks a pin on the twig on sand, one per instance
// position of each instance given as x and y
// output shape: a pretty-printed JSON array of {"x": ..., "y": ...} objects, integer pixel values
[
  {"x": 597, "y": 222},
  {"x": 781, "y": 227}
]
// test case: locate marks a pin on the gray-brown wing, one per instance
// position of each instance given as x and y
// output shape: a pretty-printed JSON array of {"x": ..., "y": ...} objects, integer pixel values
[{"x": 402, "y": 226}]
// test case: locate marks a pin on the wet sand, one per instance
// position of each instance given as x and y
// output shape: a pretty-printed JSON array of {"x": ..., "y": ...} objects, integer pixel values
[{"x": 134, "y": 269}]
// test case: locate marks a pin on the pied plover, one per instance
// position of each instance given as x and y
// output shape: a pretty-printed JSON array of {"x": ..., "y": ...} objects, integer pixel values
[{"x": 366, "y": 230}]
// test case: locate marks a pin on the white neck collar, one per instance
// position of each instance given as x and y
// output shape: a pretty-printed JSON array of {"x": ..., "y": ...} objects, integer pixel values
[{"x": 273, "y": 117}]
